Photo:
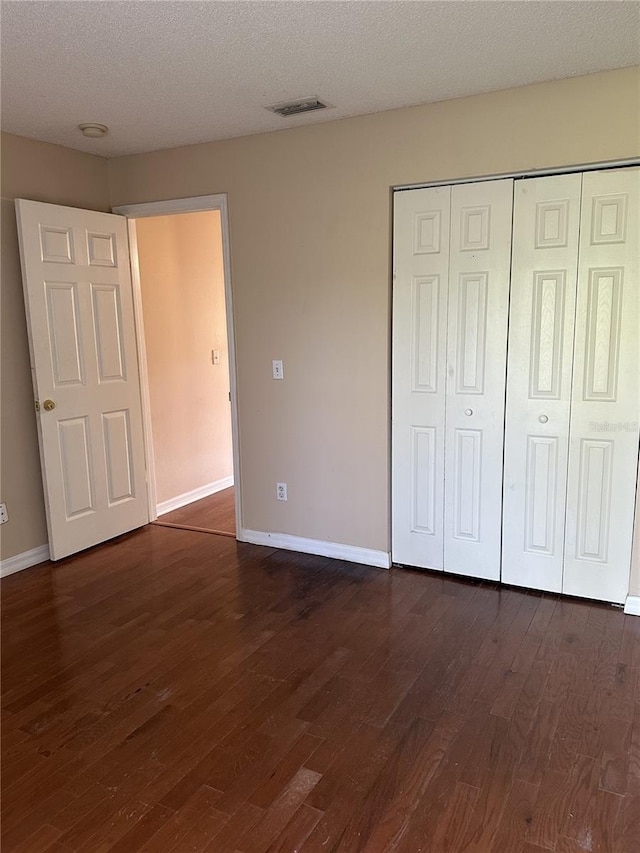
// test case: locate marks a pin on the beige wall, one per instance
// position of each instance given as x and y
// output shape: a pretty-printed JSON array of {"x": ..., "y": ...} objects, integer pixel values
[
  {"x": 182, "y": 280},
  {"x": 33, "y": 170},
  {"x": 310, "y": 223}
]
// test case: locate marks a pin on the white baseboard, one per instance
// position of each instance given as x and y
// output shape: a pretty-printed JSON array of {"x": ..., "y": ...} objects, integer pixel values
[
  {"x": 195, "y": 495},
  {"x": 336, "y": 550},
  {"x": 632, "y": 605},
  {"x": 24, "y": 560}
]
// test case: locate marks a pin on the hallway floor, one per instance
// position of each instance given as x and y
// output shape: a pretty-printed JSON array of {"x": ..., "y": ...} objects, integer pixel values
[{"x": 217, "y": 513}]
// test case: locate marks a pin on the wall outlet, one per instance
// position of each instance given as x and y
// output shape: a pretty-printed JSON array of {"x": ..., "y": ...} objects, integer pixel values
[
  {"x": 281, "y": 491},
  {"x": 278, "y": 369},
  {"x": 4, "y": 515}
]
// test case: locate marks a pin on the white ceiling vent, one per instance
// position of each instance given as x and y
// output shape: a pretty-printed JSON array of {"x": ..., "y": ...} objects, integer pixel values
[{"x": 294, "y": 108}]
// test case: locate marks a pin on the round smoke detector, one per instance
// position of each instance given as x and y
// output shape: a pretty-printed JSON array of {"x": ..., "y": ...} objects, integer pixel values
[{"x": 93, "y": 130}]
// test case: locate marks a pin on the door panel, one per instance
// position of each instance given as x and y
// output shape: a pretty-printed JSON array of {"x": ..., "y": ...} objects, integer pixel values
[
  {"x": 541, "y": 494},
  {"x": 80, "y": 321},
  {"x": 107, "y": 326},
  {"x": 605, "y": 408},
  {"x": 479, "y": 273},
  {"x": 116, "y": 434},
  {"x": 64, "y": 333},
  {"x": 421, "y": 276},
  {"x": 544, "y": 273},
  {"x": 77, "y": 470},
  {"x": 467, "y": 449},
  {"x": 471, "y": 333}
]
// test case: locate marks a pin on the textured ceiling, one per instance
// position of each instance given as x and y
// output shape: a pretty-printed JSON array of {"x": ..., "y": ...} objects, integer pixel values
[{"x": 162, "y": 74}]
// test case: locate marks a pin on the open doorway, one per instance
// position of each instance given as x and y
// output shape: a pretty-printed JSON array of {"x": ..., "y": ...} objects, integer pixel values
[{"x": 185, "y": 336}]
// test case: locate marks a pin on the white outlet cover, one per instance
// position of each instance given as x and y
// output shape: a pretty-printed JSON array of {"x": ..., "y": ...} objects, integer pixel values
[
  {"x": 281, "y": 491},
  {"x": 278, "y": 369}
]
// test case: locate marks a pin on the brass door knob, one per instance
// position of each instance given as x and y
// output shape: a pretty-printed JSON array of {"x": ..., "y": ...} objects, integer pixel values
[{"x": 48, "y": 405}]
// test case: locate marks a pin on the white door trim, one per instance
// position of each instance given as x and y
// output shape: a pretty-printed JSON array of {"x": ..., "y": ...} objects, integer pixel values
[
  {"x": 167, "y": 208},
  {"x": 528, "y": 173},
  {"x": 143, "y": 369}
]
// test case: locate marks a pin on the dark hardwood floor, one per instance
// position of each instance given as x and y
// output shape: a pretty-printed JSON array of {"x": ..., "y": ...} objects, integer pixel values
[
  {"x": 215, "y": 514},
  {"x": 170, "y": 691}
]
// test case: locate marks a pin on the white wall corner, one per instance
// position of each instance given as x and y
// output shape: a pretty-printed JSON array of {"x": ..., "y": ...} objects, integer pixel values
[
  {"x": 632, "y": 605},
  {"x": 195, "y": 495},
  {"x": 24, "y": 560},
  {"x": 335, "y": 550}
]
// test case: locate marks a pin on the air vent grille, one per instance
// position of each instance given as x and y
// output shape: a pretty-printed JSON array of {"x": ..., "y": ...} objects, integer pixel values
[{"x": 294, "y": 108}]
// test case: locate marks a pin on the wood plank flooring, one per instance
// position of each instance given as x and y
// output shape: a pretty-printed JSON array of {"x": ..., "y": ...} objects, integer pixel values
[
  {"x": 170, "y": 691},
  {"x": 215, "y": 514}
]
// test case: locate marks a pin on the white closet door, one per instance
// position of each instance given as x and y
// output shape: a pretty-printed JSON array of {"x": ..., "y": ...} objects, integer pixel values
[
  {"x": 605, "y": 407},
  {"x": 421, "y": 264},
  {"x": 479, "y": 271},
  {"x": 546, "y": 221}
]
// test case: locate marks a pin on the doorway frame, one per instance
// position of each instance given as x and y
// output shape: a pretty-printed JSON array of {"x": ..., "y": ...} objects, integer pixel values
[{"x": 169, "y": 207}]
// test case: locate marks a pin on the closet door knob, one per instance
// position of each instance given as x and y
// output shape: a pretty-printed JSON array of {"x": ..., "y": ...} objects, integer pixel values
[
  {"x": 468, "y": 412},
  {"x": 543, "y": 419}
]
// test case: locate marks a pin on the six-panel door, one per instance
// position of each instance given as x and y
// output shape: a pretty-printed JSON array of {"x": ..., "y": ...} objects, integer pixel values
[
  {"x": 546, "y": 225},
  {"x": 479, "y": 267},
  {"x": 450, "y": 304},
  {"x": 605, "y": 400},
  {"x": 420, "y": 294},
  {"x": 83, "y": 354}
]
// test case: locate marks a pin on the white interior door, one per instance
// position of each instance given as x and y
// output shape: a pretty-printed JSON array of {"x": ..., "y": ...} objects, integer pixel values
[
  {"x": 605, "y": 406},
  {"x": 75, "y": 267},
  {"x": 542, "y": 313},
  {"x": 421, "y": 276},
  {"x": 479, "y": 272}
]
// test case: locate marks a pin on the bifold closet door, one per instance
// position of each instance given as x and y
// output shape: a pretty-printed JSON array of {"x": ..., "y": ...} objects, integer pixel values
[
  {"x": 452, "y": 250},
  {"x": 605, "y": 405},
  {"x": 479, "y": 273},
  {"x": 573, "y": 388},
  {"x": 546, "y": 224},
  {"x": 420, "y": 287}
]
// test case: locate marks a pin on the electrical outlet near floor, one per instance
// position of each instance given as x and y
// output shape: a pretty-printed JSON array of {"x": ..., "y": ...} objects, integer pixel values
[
  {"x": 4, "y": 515},
  {"x": 281, "y": 491}
]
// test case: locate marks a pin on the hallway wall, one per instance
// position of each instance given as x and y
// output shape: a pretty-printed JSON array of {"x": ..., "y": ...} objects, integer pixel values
[{"x": 182, "y": 280}]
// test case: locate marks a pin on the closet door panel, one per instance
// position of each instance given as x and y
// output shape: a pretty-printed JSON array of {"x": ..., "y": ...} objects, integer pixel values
[
  {"x": 546, "y": 223},
  {"x": 479, "y": 271},
  {"x": 421, "y": 280},
  {"x": 605, "y": 410}
]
